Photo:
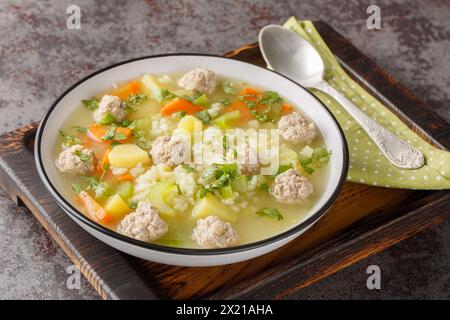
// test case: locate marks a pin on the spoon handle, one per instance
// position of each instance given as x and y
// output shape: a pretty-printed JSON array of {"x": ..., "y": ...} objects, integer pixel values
[{"x": 399, "y": 152}]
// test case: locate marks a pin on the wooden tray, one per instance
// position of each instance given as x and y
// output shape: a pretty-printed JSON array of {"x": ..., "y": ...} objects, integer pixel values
[{"x": 364, "y": 220}]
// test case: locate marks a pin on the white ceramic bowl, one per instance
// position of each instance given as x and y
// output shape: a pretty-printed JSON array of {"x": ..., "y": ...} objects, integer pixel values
[{"x": 102, "y": 79}]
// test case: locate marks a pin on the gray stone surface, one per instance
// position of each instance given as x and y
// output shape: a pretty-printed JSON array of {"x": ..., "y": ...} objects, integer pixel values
[{"x": 39, "y": 58}]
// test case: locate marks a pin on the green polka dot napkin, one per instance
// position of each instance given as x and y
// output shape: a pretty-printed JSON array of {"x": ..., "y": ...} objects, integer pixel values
[{"x": 367, "y": 164}]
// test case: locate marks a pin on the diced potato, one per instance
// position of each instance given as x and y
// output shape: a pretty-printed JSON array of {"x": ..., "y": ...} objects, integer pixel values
[
  {"x": 190, "y": 123},
  {"x": 211, "y": 206},
  {"x": 127, "y": 156},
  {"x": 160, "y": 195},
  {"x": 287, "y": 156},
  {"x": 182, "y": 133},
  {"x": 145, "y": 110},
  {"x": 117, "y": 207}
]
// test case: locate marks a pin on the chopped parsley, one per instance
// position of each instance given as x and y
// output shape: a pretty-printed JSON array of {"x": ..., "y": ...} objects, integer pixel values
[
  {"x": 91, "y": 104},
  {"x": 270, "y": 212},
  {"x": 264, "y": 187},
  {"x": 107, "y": 119},
  {"x": 228, "y": 88},
  {"x": 188, "y": 168},
  {"x": 133, "y": 204},
  {"x": 93, "y": 184},
  {"x": 125, "y": 123},
  {"x": 164, "y": 95},
  {"x": 134, "y": 100},
  {"x": 109, "y": 135},
  {"x": 77, "y": 187},
  {"x": 80, "y": 129},
  {"x": 203, "y": 116},
  {"x": 83, "y": 156},
  {"x": 270, "y": 98},
  {"x": 225, "y": 102},
  {"x": 224, "y": 175},
  {"x": 202, "y": 192},
  {"x": 120, "y": 136},
  {"x": 319, "y": 156},
  {"x": 69, "y": 140}
]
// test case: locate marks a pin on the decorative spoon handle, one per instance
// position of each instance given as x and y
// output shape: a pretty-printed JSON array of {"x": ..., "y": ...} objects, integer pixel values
[{"x": 399, "y": 152}]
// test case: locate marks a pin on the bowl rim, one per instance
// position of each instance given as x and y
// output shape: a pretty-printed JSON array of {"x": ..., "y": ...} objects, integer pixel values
[{"x": 75, "y": 213}]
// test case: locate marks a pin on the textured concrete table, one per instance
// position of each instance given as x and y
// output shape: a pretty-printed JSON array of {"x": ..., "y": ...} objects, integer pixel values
[{"x": 40, "y": 57}]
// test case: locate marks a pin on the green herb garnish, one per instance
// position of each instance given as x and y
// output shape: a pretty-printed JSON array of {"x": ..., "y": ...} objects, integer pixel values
[
  {"x": 270, "y": 212},
  {"x": 92, "y": 104},
  {"x": 107, "y": 119},
  {"x": 225, "y": 102},
  {"x": 188, "y": 168},
  {"x": 77, "y": 187},
  {"x": 264, "y": 187},
  {"x": 109, "y": 135},
  {"x": 83, "y": 156},
  {"x": 133, "y": 205},
  {"x": 203, "y": 116},
  {"x": 69, "y": 140},
  {"x": 80, "y": 129},
  {"x": 318, "y": 157},
  {"x": 164, "y": 95},
  {"x": 134, "y": 100},
  {"x": 228, "y": 88},
  {"x": 202, "y": 192},
  {"x": 125, "y": 123}
]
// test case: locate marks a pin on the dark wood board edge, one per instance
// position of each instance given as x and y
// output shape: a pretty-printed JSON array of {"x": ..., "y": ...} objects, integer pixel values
[
  {"x": 14, "y": 153},
  {"x": 359, "y": 243}
]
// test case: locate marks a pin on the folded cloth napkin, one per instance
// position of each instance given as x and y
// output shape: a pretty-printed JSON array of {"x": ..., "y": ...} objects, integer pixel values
[{"x": 367, "y": 164}]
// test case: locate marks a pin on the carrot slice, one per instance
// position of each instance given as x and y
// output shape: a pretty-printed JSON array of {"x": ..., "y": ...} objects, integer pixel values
[
  {"x": 104, "y": 160},
  {"x": 133, "y": 87},
  {"x": 178, "y": 105},
  {"x": 246, "y": 114},
  {"x": 125, "y": 177},
  {"x": 97, "y": 132},
  {"x": 93, "y": 208},
  {"x": 250, "y": 94},
  {"x": 286, "y": 108}
]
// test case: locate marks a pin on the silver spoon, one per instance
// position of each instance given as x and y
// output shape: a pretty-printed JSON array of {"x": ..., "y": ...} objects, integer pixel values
[{"x": 288, "y": 53}]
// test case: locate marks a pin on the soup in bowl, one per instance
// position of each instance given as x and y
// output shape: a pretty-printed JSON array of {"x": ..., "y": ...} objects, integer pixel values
[{"x": 189, "y": 155}]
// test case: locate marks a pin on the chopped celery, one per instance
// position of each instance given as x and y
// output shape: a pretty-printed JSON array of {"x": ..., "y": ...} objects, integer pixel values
[
  {"x": 240, "y": 184},
  {"x": 160, "y": 195},
  {"x": 202, "y": 101},
  {"x": 153, "y": 87},
  {"x": 224, "y": 120},
  {"x": 226, "y": 192},
  {"x": 287, "y": 156},
  {"x": 306, "y": 152},
  {"x": 125, "y": 190},
  {"x": 144, "y": 124}
]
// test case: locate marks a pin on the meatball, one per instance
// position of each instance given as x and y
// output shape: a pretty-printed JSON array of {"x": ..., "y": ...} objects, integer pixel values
[
  {"x": 170, "y": 150},
  {"x": 295, "y": 128},
  {"x": 251, "y": 165},
  {"x": 144, "y": 224},
  {"x": 112, "y": 105},
  {"x": 76, "y": 160},
  {"x": 212, "y": 232},
  {"x": 291, "y": 187},
  {"x": 199, "y": 79}
]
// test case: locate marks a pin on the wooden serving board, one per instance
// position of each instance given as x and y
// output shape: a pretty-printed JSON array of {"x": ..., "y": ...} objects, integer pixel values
[{"x": 364, "y": 220}]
